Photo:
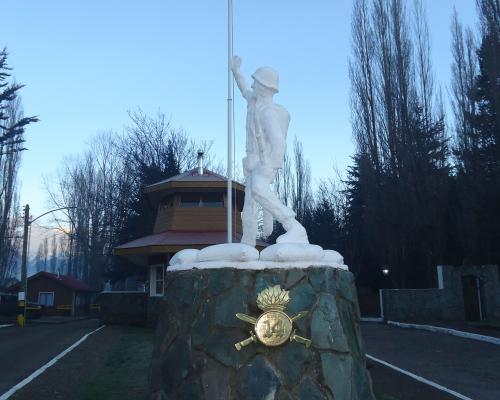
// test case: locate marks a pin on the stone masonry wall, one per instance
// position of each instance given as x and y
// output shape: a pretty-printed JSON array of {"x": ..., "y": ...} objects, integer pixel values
[
  {"x": 422, "y": 305},
  {"x": 446, "y": 303},
  {"x": 123, "y": 308},
  {"x": 195, "y": 358}
]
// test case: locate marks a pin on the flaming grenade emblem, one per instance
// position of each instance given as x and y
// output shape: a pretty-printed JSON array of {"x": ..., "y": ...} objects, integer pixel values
[{"x": 273, "y": 327}]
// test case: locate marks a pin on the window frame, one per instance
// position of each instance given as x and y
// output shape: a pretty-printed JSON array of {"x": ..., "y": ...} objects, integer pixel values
[
  {"x": 213, "y": 204},
  {"x": 190, "y": 204},
  {"x": 153, "y": 280},
  {"x": 53, "y": 299}
]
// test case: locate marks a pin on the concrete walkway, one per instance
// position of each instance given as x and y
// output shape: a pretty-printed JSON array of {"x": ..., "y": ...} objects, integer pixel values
[{"x": 466, "y": 366}]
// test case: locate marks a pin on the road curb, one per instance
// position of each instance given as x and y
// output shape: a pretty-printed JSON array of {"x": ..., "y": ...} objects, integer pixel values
[
  {"x": 448, "y": 331},
  {"x": 372, "y": 319},
  {"x": 59, "y": 322}
]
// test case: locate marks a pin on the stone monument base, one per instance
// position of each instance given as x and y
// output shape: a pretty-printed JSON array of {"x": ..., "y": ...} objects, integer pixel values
[{"x": 195, "y": 357}]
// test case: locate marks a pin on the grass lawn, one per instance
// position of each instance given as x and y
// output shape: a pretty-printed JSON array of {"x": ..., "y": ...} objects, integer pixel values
[
  {"x": 123, "y": 371},
  {"x": 123, "y": 374},
  {"x": 381, "y": 396}
]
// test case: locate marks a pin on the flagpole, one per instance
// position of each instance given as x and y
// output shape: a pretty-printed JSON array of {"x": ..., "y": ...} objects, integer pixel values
[{"x": 229, "y": 123}]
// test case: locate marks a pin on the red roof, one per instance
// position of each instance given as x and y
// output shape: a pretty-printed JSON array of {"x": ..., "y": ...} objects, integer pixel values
[
  {"x": 183, "y": 238},
  {"x": 67, "y": 281},
  {"x": 193, "y": 176}
]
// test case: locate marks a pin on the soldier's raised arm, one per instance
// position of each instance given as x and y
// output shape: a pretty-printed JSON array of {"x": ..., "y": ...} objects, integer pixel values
[{"x": 240, "y": 79}]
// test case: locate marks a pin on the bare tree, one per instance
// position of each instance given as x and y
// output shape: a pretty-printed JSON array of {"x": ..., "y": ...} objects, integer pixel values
[
  {"x": 464, "y": 70},
  {"x": 362, "y": 75},
  {"x": 424, "y": 74},
  {"x": 104, "y": 190},
  {"x": 10, "y": 219},
  {"x": 42, "y": 256},
  {"x": 53, "y": 254},
  {"x": 401, "y": 145},
  {"x": 284, "y": 181},
  {"x": 301, "y": 190}
]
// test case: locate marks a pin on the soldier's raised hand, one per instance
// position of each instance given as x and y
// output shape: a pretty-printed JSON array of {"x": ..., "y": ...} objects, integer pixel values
[{"x": 236, "y": 63}]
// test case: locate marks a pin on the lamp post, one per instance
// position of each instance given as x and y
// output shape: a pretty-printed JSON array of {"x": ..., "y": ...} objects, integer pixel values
[{"x": 23, "y": 299}]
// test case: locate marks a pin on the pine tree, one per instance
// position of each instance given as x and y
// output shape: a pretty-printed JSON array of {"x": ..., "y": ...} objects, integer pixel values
[
  {"x": 11, "y": 132},
  {"x": 12, "y": 126},
  {"x": 398, "y": 181},
  {"x": 478, "y": 151}
]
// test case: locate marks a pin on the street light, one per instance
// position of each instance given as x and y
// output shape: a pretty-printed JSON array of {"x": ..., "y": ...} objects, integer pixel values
[{"x": 24, "y": 271}]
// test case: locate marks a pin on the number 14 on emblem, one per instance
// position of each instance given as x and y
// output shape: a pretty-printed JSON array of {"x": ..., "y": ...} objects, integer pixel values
[{"x": 273, "y": 327}]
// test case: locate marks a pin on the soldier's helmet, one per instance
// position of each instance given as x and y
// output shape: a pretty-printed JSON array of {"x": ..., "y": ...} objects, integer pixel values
[{"x": 267, "y": 77}]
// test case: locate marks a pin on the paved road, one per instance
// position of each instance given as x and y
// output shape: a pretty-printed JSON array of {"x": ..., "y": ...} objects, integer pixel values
[
  {"x": 22, "y": 351},
  {"x": 466, "y": 366}
]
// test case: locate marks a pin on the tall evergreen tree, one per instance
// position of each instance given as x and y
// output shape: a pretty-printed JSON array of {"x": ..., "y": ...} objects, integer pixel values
[
  {"x": 399, "y": 178},
  {"x": 12, "y": 127},
  {"x": 477, "y": 149}
]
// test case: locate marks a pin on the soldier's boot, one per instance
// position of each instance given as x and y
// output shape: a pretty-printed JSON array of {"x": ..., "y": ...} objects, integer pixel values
[{"x": 295, "y": 232}]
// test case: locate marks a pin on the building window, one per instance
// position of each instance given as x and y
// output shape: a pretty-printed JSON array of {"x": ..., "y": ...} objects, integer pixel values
[
  {"x": 213, "y": 200},
  {"x": 46, "y": 299},
  {"x": 168, "y": 202},
  {"x": 156, "y": 280},
  {"x": 190, "y": 200}
]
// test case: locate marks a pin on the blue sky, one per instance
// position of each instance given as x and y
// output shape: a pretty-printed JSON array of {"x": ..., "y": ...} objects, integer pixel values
[{"x": 85, "y": 63}]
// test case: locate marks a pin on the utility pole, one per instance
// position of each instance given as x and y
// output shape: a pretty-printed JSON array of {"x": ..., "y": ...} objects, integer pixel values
[
  {"x": 23, "y": 299},
  {"x": 24, "y": 271}
]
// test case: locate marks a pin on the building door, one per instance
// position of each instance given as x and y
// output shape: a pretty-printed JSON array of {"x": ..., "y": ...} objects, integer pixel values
[{"x": 472, "y": 298}]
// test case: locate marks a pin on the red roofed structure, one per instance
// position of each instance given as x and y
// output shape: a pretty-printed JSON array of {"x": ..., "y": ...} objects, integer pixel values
[
  {"x": 58, "y": 294},
  {"x": 191, "y": 213}
]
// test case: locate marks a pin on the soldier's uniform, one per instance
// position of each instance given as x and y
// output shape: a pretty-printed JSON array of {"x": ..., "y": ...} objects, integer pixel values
[{"x": 266, "y": 131}]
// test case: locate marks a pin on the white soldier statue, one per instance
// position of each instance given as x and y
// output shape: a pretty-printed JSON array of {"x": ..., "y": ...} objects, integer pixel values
[{"x": 266, "y": 130}]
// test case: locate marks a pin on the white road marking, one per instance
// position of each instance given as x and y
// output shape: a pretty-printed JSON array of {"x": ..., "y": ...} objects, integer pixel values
[
  {"x": 6, "y": 325},
  {"x": 418, "y": 378},
  {"x": 42, "y": 369},
  {"x": 448, "y": 331},
  {"x": 371, "y": 319}
]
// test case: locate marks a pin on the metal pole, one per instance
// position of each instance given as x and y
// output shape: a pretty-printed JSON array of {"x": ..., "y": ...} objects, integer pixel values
[
  {"x": 479, "y": 300},
  {"x": 229, "y": 123},
  {"x": 24, "y": 270}
]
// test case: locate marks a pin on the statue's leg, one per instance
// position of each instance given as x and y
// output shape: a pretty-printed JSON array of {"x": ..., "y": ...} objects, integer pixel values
[
  {"x": 262, "y": 193},
  {"x": 267, "y": 223},
  {"x": 248, "y": 216}
]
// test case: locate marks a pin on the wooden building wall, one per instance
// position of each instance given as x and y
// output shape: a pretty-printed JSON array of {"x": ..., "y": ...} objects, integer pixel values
[
  {"x": 172, "y": 216},
  {"x": 62, "y": 294}
]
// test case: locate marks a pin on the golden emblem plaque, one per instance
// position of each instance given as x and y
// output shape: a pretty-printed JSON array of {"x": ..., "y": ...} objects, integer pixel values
[{"x": 273, "y": 327}]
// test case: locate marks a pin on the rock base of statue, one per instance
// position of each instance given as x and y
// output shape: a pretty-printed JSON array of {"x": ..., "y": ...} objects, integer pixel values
[{"x": 195, "y": 355}]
